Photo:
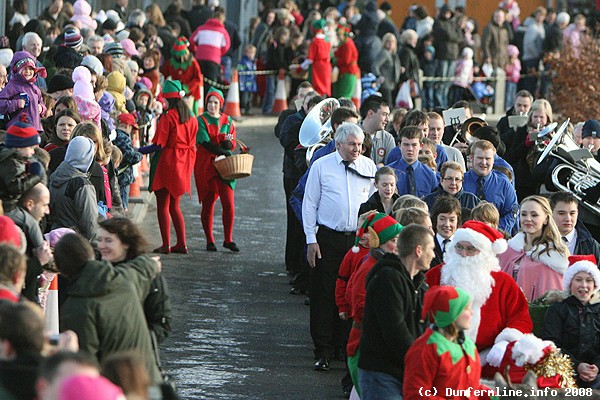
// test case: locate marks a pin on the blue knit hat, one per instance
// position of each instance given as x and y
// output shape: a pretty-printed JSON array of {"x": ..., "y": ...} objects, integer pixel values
[{"x": 21, "y": 134}]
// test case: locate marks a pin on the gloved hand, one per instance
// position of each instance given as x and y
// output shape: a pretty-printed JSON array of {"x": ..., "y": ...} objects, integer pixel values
[
  {"x": 496, "y": 354},
  {"x": 36, "y": 168},
  {"x": 226, "y": 145},
  {"x": 305, "y": 64},
  {"x": 592, "y": 194}
]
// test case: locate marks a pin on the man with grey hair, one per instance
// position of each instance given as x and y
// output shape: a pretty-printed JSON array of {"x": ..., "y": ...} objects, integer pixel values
[
  {"x": 337, "y": 185},
  {"x": 32, "y": 43},
  {"x": 137, "y": 19},
  {"x": 96, "y": 44}
]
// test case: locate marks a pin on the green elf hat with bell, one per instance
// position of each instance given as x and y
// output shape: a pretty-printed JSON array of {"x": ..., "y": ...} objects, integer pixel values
[
  {"x": 443, "y": 304},
  {"x": 382, "y": 228},
  {"x": 318, "y": 25},
  {"x": 172, "y": 90},
  {"x": 180, "y": 48}
]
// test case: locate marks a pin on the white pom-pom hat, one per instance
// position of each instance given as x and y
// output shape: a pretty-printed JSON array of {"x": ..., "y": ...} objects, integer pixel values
[
  {"x": 482, "y": 236},
  {"x": 580, "y": 263}
]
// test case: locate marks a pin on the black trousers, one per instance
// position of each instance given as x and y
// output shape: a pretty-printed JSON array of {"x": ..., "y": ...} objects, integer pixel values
[
  {"x": 325, "y": 324},
  {"x": 211, "y": 71},
  {"x": 295, "y": 238}
]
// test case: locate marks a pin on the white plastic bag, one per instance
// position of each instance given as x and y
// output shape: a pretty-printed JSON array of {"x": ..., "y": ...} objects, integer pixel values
[{"x": 403, "y": 98}]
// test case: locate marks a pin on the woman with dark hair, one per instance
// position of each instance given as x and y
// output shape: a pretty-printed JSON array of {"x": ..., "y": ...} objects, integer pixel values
[
  {"x": 60, "y": 135},
  {"x": 174, "y": 144},
  {"x": 121, "y": 240},
  {"x": 216, "y": 137}
]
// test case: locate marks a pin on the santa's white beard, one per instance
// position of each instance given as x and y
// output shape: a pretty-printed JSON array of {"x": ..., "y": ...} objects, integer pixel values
[{"x": 472, "y": 274}]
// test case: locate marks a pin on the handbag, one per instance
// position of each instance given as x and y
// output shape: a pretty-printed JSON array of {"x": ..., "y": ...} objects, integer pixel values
[{"x": 403, "y": 98}]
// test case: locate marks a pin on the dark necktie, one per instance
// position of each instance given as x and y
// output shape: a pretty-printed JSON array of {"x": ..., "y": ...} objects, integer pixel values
[
  {"x": 410, "y": 180},
  {"x": 444, "y": 243},
  {"x": 564, "y": 239},
  {"x": 480, "y": 189},
  {"x": 355, "y": 172}
]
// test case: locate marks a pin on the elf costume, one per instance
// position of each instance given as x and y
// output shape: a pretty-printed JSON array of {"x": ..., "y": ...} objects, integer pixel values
[
  {"x": 319, "y": 53},
  {"x": 382, "y": 228},
  {"x": 346, "y": 59},
  {"x": 216, "y": 136},
  {"x": 437, "y": 364},
  {"x": 171, "y": 168},
  {"x": 184, "y": 67}
]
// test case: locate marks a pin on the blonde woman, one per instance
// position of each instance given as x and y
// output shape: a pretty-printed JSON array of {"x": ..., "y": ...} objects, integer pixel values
[
  {"x": 536, "y": 257},
  {"x": 387, "y": 65},
  {"x": 523, "y": 154},
  {"x": 102, "y": 174}
]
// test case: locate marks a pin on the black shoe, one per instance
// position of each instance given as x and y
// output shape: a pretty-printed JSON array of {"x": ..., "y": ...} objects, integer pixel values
[
  {"x": 211, "y": 247},
  {"x": 347, "y": 392},
  {"x": 340, "y": 355},
  {"x": 231, "y": 246},
  {"x": 296, "y": 290},
  {"x": 322, "y": 364},
  {"x": 307, "y": 301}
]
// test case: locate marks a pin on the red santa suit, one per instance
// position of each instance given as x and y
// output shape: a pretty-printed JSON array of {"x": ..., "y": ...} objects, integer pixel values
[{"x": 500, "y": 310}]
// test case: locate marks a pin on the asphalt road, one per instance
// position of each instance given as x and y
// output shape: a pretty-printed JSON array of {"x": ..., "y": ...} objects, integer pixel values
[{"x": 237, "y": 332}]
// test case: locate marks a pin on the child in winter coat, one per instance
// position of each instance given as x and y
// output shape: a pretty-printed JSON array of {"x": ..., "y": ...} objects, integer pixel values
[
  {"x": 116, "y": 87},
  {"x": 17, "y": 172},
  {"x": 82, "y": 10},
  {"x": 21, "y": 95},
  {"x": 183, "y": 67},
  {"x": 248, "y": 84},
  {"x": 513, "y": 74},
  {"x": 463, "y": 76}
]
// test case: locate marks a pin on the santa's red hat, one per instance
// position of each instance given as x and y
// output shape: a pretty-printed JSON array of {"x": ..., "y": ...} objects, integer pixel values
[
  {"x": 582, "y": 263},
  {"x": 482, "y": 236}
]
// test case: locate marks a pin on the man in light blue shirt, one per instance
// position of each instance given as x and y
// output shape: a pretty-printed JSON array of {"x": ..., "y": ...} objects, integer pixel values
[
  {"x": 413, "y": 176},
  {"x": 337, "y": 185},
  {"x": 491, "y": 185}
]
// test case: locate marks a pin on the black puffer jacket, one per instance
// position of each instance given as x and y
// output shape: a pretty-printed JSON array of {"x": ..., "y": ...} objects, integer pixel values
[
  {"x": 575, "y": 329},
  {"x": 446, "y": 39}
]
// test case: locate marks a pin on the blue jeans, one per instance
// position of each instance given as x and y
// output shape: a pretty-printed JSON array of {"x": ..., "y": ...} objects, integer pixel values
[
  {"x": 427, "y": 94},
  {"x": 511, "y": 91},
  {"x": 269, "y": 99},
  {"x": 378, "y": 386},
  {"x": 445, "y": 69},
  {"x": 226, "y": 63},
  {"x": 125, "y": 196}
]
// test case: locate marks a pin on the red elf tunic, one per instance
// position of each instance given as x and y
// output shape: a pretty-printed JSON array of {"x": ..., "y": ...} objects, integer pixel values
[
  {"x": 319, "y": 52},
  {"x": 437, "y": 368},
  {"x": 357, "y": 291},
  {"x": 349, "y": 264},
  {"x": 172, "y": 167},
  {"x": 215, "y": 130},
  {"x": 187, "y": 72},
  {"x": 347, "y": 61}
]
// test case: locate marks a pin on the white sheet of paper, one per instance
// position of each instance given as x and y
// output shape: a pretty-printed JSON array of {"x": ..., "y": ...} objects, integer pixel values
[
  {"x": 454, "y": 116},
  {"x": 517, "y": 121}
]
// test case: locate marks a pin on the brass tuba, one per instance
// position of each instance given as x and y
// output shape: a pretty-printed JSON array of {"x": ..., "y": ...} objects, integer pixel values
[
  {"x": 579, "y": 169},
  {"x": 315, "y": 131},
  {"x": 465, "y": 134}
]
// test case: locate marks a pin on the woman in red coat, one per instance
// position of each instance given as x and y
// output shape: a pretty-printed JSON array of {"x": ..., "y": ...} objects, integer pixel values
[
  {"x": 216, "y": 137},
  {"x": 171, "y": 166}
]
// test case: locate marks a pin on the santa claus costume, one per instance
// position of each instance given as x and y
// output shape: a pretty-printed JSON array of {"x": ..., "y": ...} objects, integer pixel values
[
  {"x": 443, "y": 357},
  {"x": 500, "y": 310}
]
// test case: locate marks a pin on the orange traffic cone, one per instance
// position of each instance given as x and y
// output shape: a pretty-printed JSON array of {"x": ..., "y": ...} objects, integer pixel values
[
  {"x": 232, "y": 105},
  {"x": 51, "y": 312},
  {"x": 280, "y": 94},
  {"x": 357, "y": 93},
  {"x": 201, "y": 99},
  {"x": 134, "y": 188}
]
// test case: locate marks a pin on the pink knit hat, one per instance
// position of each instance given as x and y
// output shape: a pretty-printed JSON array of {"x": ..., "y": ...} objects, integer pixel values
[
  {"x": 83, "y": 83},
  {"x": 89, "y": 110}
]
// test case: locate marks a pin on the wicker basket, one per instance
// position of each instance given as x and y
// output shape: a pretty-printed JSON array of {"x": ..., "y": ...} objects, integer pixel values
[{"x": 235, "y": 167}]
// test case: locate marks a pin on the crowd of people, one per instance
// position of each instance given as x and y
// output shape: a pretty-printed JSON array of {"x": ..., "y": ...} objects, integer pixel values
[{"x": 412, "y": 235}]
